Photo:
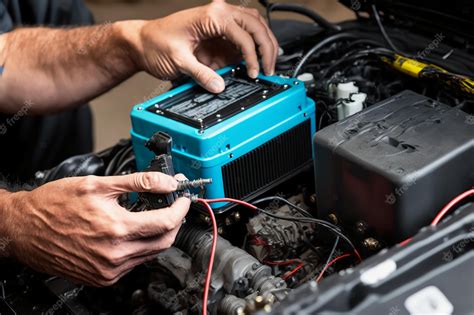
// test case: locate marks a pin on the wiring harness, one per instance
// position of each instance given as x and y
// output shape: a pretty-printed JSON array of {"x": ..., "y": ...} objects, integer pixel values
[{"x": 306, "y": 217}]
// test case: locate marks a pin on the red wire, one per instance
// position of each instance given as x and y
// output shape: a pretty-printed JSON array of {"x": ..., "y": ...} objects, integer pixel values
[
  {"x": 443, "y": 211},
  {"x": 329, "y": 265},
  {"x": 282, "y": 263},
  {"x": 448, "y": 207},
  {"x": 211, "y": 257},
  {"x": 258, "y": 241},
  {"x": 359, "y": 257},
  {"x": 408, "y": 240},
  {"x": 240, "y": 202},
  {"x": 249, "y": 205},
  {"x": 206, "y": 202},
  {"x": 285, "y": 277},
  {"x": 285, "y": 263}
]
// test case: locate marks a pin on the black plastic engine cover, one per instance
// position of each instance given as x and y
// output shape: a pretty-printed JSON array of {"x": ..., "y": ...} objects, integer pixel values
[{"x": 395, "y": 164}]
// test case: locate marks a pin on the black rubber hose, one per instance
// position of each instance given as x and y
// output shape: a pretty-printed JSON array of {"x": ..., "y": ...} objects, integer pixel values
[{"x": 300, "y": 9}]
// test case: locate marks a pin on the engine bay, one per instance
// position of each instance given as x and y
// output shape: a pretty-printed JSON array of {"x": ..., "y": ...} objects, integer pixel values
[{"x": 333, "y": 165}]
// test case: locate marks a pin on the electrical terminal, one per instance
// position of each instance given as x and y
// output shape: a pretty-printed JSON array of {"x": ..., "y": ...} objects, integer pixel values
[{"x": 197, "y": 183}]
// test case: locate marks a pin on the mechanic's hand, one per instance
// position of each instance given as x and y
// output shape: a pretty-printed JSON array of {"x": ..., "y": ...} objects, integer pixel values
[
  {"x": 74, "y": 227},
  {"x": 195, "y": 40}
]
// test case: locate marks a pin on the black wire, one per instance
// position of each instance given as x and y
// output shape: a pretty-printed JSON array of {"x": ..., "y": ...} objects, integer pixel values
[
  {"x": 354, "y": 55},
  {"x": 111, "y": 166},
  {"x": 321, "y": 118},
  {"x": 122, "y": 166},
  {"x": 125, "y": 155},
  {"x": 300, "y": 9},
  {"x": 117, "y": 160},
  {"x": 333, "y": 228},
  {"x": 382, "y": 29},
  {"x": 364, "y": 41},
  {"x": 318, "y": 46},
  {"x": 299, "y": 209}
]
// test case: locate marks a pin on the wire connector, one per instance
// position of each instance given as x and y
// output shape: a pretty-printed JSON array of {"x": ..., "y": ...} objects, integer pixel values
[
  {"x": 187, "y": 184},
  {"x": 193, "y": 197}
]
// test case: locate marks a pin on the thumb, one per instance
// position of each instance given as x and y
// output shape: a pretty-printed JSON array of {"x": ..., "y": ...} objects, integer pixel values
[
  {"x": 205, "y": 76},
  {"x": 154, "y": 182}
]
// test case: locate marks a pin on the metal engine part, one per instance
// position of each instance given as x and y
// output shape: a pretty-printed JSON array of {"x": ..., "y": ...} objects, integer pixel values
[
  {"x": 275, "y": 239},
  {"x": 238, "y": 278}
]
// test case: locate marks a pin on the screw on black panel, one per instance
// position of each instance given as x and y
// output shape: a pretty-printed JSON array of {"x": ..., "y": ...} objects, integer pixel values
[{"x": 371, "y": 244}]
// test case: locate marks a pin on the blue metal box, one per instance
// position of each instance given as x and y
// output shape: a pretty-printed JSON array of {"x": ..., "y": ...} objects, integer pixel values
[{"x": 258, "y": 128}]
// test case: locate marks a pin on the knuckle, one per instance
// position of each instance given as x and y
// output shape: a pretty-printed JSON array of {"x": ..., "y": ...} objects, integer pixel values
[
  {"x": 146, "y": 181},
  {"x": 168, "y": 225},
  {"x": 218, "y": 7},
  {"x": 180, "y": 61},
  {"x": 114, "y": 257},
  {"x": 266, "y": 48},
  {"x": 88, "y": 184},
  {"x": 118, "y": 231},
  {"x": 212, "y": 11},
  {"x": 198, "y": 73},
  {"x": 170, "y": 241},
  {"x": 165, "y": 243},
  {"x": 202, "y": 77},
  {"x": 108, "y": 275},
  {"x": 254, "y": 12},
  {"x": 108, "y": 281}
]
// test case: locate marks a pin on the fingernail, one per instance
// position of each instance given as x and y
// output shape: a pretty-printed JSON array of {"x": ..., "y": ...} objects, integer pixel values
[
  {"x": 253, "y": 73},
  {"x": 216, "y": 86}
]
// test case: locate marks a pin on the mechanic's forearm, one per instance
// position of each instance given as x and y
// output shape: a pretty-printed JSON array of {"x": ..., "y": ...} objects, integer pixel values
[
  {"x": 5, "y": 234},
  {"x": 53, "y": 69}
]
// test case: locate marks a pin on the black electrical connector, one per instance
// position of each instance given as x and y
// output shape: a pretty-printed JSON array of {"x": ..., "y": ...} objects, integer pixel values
[{"x": 160, "y": 144}]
